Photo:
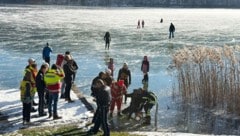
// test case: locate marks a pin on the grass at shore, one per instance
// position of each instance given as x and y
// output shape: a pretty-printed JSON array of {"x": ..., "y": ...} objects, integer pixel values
[{"x": 64, "y": 130}]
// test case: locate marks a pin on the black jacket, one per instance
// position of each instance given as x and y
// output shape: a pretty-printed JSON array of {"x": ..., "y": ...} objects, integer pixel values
[
  {"x": 103, "y": 97},
  {"x": 40, "y": 84},
  {"x": 69, "y": 71}
]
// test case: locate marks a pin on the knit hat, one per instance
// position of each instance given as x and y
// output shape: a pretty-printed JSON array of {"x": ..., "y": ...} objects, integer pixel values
[
  {"x": 109, "y": 71},
  {"x": 31, "y": 60},
  {"x": 120, "y": 83}
]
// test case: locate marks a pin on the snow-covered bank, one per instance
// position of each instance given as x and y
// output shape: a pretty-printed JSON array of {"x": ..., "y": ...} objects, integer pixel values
[
  {"x": 72, "y": 113},
  {"x": 11, "y": 106}
]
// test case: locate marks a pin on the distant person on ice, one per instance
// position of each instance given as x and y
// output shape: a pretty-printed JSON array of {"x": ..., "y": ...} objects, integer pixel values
[
  {"x": 107, "y": 39},
  {"x": 143, "y": 23},
  {"x": 171, "y": 31},
  {"x": 161, "y": 21},
  {"x": 138, "y": 24},
  {"x": 46, "y": 53}
]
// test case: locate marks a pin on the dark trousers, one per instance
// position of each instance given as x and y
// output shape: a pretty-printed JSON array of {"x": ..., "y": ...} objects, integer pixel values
[
  {"x": 171, "y": 35},
  {"x": 67, "y": 90},
  {"x": 101, "y": 120},
  {"x": 47, "y": 59},
  {"x": 107, "y": 45},
  {"x": 26, "y": 111},
  {"x": 41, "y": 102},
  {"x": 46, "y": 97}
]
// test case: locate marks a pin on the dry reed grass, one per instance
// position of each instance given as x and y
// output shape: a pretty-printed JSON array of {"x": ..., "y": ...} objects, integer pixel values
[{"x": 209, "y": 76}]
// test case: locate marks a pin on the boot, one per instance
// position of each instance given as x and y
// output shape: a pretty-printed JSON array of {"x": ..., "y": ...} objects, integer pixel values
[
  {"x": 111, "y": 115},
  {"x": 50, "y": 115},
  {"x": 56, "y": 117},
  {"x": 119, "y": 114},
  {"x": 147, "y": 120}
]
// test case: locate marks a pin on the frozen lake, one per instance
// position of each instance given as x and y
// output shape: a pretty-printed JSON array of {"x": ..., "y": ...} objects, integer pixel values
[{"x": 24, "y": 31}]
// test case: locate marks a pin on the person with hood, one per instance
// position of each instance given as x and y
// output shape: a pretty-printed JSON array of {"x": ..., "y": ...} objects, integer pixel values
[
  {"x": 52, "y": 80},
  {"x": 118, "y": 89},
  {"x": 145, "y": 65},
  {"x": 107, "y": 39},
  {"x": 125, "y": 75},
  {"x": 46, "y": 53},
  {"x": 41, "y": 88},
  {"x": 171, "y": 31}
]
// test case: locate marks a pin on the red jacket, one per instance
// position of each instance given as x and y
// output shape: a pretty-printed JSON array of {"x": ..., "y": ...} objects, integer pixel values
[{"x": 117, "y": 91}]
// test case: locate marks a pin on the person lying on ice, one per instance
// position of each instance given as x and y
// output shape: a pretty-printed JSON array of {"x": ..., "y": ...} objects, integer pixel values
[{"x": 141, "y": 99}]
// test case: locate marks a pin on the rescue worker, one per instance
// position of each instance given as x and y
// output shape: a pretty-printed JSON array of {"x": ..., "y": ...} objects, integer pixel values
[
  {"x": 107, "y": 39},
  {"x": 125, "y": 74},
  {"x": 171, "y": 31},
  {"x": 118, "y": 89},
  {"x": 53, "y": 83},
  {"x": 41, "y": 87},
  {"x": 46, "y": 53},
  {"x": 33, "y": 71},
  {"x": 103, "y": 99},
  {"x": 136, "y": 103},
  {"x": 149, "y": 100},
  {"x": 27, "y": 92}
]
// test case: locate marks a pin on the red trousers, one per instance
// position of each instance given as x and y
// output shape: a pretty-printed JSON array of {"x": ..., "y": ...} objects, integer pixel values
[{"x": 118, "y": 102}]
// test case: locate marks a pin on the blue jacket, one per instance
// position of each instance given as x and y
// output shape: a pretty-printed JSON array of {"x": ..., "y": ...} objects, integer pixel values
[{"x": 46, "y": 51}]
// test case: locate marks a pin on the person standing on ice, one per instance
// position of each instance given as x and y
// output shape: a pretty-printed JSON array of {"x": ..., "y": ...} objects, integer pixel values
[
  {"x": 125, "y": 74},
  {"x": 46, "y": 53},
  {"x": 143, "y": 23},
  {"x": 107, "y": 39},
  {"x": 111, "y": 66},
  {"x": 145, "y": 65},
  {"x": 138, "y": 24},
  {"x": 171, "y": 31}
]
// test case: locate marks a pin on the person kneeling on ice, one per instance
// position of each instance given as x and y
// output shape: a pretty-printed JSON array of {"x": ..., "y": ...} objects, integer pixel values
[
  {"x": 136, "y": 103},
  {"x": 141, "y": 99},
  {"x": 118, "y": 89}
]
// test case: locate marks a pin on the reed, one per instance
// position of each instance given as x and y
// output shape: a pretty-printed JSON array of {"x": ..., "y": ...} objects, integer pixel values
[{"x": 209, "y": 77}]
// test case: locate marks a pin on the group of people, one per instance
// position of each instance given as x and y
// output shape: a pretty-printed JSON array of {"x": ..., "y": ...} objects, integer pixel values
[
  {"x": 47, "y": 82},
  {"x": 109, "y": 93}
]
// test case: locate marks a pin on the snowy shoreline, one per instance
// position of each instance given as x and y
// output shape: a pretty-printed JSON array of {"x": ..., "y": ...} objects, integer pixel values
[{"x": 72, "y": 113}]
